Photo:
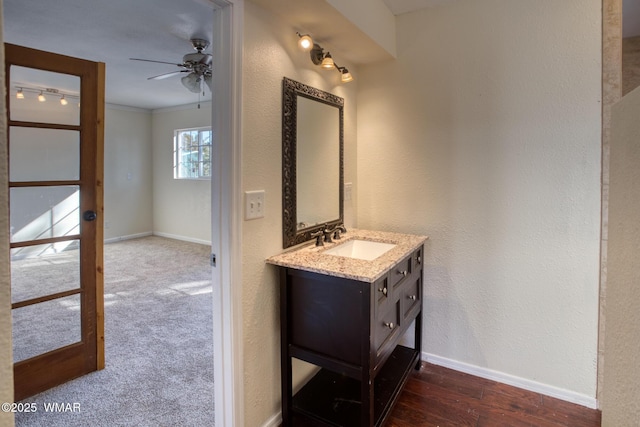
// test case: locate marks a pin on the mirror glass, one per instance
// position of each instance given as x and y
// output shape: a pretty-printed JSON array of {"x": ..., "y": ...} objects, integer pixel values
[
  {"x": 317, "y": 166},
  {"x": 312, "y": 161}
]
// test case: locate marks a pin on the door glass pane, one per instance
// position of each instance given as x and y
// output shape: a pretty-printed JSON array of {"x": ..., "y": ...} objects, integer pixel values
[
  {"x": 44, "y": 154},
  {"x": 44, "y": 212},
  {"x": 44, "y": 96},
  {"x": 46, "y": 326},
  {"x": 42, "y": 270}
]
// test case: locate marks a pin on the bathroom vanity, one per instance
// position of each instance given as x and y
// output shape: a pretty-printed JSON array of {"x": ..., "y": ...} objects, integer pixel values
[{"x": 345, "y": 307}]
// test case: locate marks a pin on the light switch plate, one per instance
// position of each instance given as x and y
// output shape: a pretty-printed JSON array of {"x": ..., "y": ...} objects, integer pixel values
[
  {"x": 253, "y": 204},
  {"x": 348, "y": 186}
]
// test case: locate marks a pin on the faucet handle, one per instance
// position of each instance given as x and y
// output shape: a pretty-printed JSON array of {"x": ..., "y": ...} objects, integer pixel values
[
  {"x": 338, "y": 230},
  {"x": 318, "y": 236}
]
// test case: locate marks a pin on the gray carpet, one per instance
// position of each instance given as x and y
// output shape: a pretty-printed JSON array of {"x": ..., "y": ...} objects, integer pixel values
[{"x": 159, "y": 343}]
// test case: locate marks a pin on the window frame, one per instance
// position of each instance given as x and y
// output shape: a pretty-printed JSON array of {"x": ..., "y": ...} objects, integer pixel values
[{"x": 178, "y": 153}]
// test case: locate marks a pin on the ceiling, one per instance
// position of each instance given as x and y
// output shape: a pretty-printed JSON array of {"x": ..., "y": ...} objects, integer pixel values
[
  {"x": 115, "y": 30},
  {"x": 398, "y": 7},
  {"x": 112, "y": 32}
]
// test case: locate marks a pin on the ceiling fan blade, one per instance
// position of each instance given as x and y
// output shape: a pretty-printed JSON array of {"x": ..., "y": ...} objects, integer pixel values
[
  {"x": 159, "y": 62},
  {"x": 165, "y": 75}
]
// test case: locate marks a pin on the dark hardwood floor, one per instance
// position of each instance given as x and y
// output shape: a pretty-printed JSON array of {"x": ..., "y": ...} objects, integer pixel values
[{"x": 437, "y": 396}]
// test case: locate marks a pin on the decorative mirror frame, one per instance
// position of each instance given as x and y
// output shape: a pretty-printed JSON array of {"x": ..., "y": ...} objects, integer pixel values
[{"x": 291, "y": 89}]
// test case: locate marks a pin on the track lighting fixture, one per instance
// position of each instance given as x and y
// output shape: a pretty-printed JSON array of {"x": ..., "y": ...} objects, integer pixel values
[
  {"x": 322, "y": 58},
  {"x": 23, "y": 91}
]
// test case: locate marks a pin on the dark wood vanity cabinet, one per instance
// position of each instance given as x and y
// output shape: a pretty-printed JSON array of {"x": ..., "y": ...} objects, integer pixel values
[{"x": 351, "y": 330}]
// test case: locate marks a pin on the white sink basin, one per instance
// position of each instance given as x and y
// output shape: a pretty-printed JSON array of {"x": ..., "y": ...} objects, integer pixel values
[{"x": 360, "y": 249}]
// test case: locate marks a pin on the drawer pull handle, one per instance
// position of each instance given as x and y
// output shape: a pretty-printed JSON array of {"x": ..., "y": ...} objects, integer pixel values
[
  {"x": 383, "y": 290},
  {"x": 412, "y": 297},
  {"x": 389, "y": 325},
  {"x": 403, "y": 272}
]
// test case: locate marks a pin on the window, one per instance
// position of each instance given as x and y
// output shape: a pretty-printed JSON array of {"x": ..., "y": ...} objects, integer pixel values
[{"x": 192, "y": 153}]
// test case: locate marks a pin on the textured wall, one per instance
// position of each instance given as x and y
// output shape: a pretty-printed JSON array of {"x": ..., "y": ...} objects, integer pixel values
[
  {"x": 181, "y": 207},
  {"x": 271, "y": 53},
  {"x": 127, "y": 172},
  {"x": 620, "y": 405},
  {"x": 485, "y": 135}
]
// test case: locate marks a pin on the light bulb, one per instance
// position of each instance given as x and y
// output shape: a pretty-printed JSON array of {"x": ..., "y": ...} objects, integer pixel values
[
  {"x": 305, "y": 42},
  {"x": 41, "y": 97},
  {"x": 327, "y": 62},
  {"x": 20, "y": 94},
  {"x": 63, "y": 101},
  {"x": 346, "y": 76}
]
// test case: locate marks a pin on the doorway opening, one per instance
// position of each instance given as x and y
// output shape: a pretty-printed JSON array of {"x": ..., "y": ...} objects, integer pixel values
[{"x": 221, "y": 247}]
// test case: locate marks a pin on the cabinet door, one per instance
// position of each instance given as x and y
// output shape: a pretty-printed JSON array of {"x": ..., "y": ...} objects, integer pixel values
[
  {"x": 386, "y": 327},
  {"x": 411, "y": 296},
  {"x": 327, "y": 315}
]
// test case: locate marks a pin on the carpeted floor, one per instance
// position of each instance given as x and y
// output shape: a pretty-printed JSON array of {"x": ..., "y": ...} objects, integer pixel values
[{"x": 159, "y": 343}]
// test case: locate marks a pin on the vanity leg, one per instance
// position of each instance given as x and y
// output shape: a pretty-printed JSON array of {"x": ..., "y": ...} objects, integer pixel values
[
  {"x": 285, "y": 359},
  {"x": 366, "y": 397},
  {"x": 418, "y": 339}
]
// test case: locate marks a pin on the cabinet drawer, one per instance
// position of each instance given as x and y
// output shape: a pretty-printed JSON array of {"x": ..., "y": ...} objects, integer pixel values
[
  {"x": 400, "y": 272},
  {"x": 411, "y": 296},
  {"x": 386, "y": 325}
]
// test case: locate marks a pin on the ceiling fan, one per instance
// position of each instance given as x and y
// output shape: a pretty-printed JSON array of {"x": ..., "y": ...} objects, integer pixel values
[{"x": 197, "y": 66}]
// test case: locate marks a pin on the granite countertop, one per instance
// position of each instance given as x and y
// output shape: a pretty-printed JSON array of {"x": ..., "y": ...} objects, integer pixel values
[{"x": 312, "y": 258}]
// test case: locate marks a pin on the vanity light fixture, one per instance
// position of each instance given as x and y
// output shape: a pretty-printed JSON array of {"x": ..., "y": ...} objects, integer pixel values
[
  {"x": 63, "y": 101},
  {"x": 322, "y": 58},
  {"x": 41, "y": 97},
  {"x": 20, "y": 94}
]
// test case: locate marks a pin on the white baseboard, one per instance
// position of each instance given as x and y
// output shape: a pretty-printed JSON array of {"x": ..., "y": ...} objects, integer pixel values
[
  {"x": 274, "y": 421},
  {"x": 512, "y": 380},
  {"x": 128, "y": 237},
  {"x": 183, "y": 238}
]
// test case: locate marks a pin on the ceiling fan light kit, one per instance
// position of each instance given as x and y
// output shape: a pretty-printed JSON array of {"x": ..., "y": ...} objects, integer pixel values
[{"x": 197, "y": 64}]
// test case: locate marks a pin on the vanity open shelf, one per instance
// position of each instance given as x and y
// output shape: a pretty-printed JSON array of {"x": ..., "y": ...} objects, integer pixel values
[{"x": 348, "y": 316}]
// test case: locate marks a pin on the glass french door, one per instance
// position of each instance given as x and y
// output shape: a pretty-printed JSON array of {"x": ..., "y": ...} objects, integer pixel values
[{"x": 55, "y": 108}]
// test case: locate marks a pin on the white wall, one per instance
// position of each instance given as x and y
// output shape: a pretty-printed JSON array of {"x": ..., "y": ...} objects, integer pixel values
[
  {"x": 620, "y": 405},
  {"x": 127, "y": 172},
  {"x": 181, "y": 207},
  {"x": 485, "y": 135},
  {"x": 271, "y": 53}
]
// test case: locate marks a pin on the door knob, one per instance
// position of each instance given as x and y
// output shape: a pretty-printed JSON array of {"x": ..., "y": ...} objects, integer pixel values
[{"x": 89, "y": 215}]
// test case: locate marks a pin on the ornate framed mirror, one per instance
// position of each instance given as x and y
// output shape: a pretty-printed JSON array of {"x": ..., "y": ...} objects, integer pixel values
[{"x": 312, "y": 161}]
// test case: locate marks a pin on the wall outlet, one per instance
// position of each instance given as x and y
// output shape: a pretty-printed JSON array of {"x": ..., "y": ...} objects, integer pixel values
[{"x": 253, "y": 204}]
